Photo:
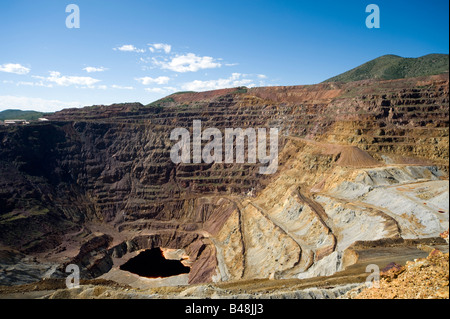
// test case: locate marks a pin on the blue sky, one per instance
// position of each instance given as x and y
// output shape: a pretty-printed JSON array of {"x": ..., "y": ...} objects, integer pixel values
[{"x": 142, "y": 50}]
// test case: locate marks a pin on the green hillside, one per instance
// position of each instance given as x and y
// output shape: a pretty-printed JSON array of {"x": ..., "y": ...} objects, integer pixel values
[
  {"x": 389, "y": 67},
  {"x": 20, "y": 115}
]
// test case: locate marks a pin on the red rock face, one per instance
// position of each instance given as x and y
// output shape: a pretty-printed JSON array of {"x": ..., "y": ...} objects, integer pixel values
[
  {"x": 110, "y": 165},
  {"x": 392, "y": 271}
]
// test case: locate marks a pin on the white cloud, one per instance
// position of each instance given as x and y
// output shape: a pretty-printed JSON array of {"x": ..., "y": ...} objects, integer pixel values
[
  {"x": 165, "y": 90},
  {"x": 148, "y": 80},
  {"x": 14, "y": 68},
  {"x": 62, "y": 80},
  {"x": 129, "y": 48},
  {"x": 188, "y": 63},
  {"x": 235, "y": 80},
  {"x": 37, "y": 84},
  {"x": 160, "y": 47},
  {"x": 90, "y": 69},
  {"x": 28, "y": 83},
  {"x": 35, "y": 104},
  {"x": 262, "y": 76},
  {"x": 114, "y": 86}
]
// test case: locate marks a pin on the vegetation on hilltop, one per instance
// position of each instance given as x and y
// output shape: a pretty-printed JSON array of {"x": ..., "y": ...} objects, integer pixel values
[
  {"x": 389, "y": 67},
  {"x": 20, "y": 115}
]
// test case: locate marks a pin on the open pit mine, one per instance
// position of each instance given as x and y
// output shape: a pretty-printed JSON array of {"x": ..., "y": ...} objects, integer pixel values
[{"x": 362, "y": 180}]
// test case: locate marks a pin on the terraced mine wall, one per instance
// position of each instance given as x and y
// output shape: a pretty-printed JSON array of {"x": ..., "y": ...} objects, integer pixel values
[{"x": 110, "y": 166}]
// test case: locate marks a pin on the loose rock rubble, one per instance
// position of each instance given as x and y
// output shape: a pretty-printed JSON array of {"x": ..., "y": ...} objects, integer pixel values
[
  {"x": 445, "y": 235},
  {"x": 425, "y": 278}
]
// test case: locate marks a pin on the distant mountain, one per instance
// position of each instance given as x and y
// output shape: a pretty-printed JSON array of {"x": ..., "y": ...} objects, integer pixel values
[
  {"x": 20, "y": 115},
  {"x": 389, "y": 67}
]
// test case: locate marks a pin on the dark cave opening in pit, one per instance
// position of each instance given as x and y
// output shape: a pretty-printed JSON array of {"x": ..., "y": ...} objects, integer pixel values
[{"x": 152, "y": 264}]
